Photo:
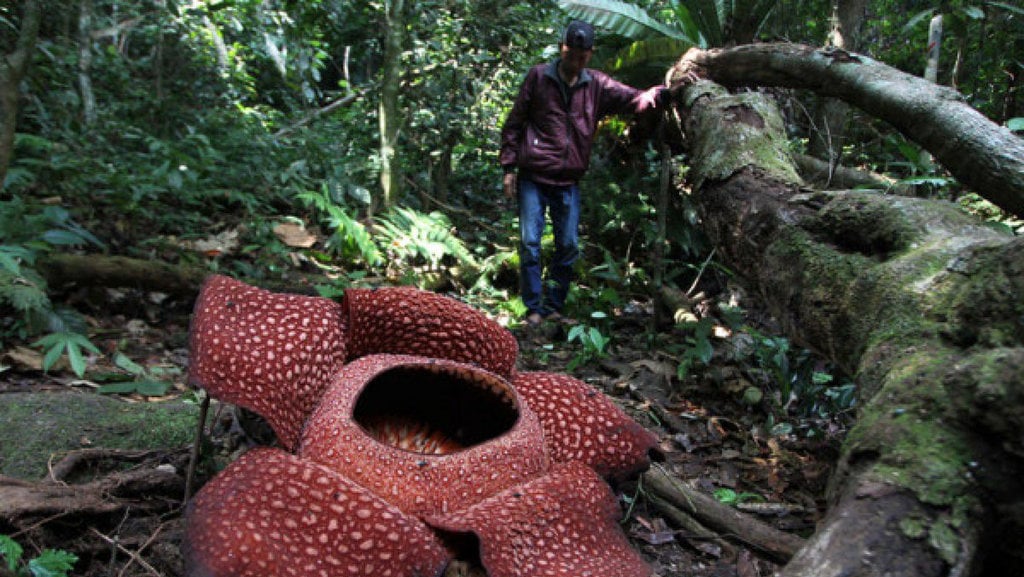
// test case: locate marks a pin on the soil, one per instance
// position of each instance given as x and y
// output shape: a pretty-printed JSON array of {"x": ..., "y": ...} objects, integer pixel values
[{"x": 713, "y": 435}]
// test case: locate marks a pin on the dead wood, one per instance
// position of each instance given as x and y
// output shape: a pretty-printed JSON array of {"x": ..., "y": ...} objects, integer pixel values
[
  {"x": 692, "y": 529},
  {"x": 92, "y": 270},
  {"x": 143, "y": 490},
  {"x": 728, "y": 522},
  {"x": 75, "y": 461}
]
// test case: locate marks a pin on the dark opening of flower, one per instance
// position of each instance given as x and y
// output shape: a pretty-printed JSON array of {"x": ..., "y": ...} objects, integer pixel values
[{"x": 434, "y": 413}]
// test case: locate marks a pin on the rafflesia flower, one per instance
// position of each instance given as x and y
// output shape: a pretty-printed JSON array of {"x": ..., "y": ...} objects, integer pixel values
[{"x": 407, "y": 439}]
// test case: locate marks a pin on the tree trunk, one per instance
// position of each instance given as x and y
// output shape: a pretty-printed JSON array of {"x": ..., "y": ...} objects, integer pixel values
[
  {"x": 917, "y": 300},
  {"x": 13, "y": 67},
  {"x": 982, "y": 155},
  {"x": 826, "y": 142},
  {"x": 85, "y": 62},
  {"x": 394, "y": 34}
]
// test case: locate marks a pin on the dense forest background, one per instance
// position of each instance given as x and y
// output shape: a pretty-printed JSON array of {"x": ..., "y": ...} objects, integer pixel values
[
  {"x": 203, "y": 133},
  {"x": 314, "y": 146}
]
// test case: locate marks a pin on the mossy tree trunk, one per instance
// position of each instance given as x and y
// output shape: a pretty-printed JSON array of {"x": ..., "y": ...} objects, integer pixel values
[
  {"x": 919, "y": 301},
  {"x": 985, "y": 157}
]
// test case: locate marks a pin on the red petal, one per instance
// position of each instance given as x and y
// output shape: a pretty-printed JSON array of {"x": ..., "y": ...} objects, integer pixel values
[
  {"x": 404, "y": 320},
  {"x": 564, "y": 524},
  {"x": 582, "y": 424},
  {"x": 504, "y": 441},
  {"x": 271, "y": 353},
  {"x": 272, "y": 514}
]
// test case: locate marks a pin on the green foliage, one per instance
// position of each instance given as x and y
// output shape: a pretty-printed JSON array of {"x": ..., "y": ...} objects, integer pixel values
[
  {"x": 413, "y": 240},
  {"x": 49, "y": 563},
  {"x": 143, "y": 382},
  {"x": 730, "y": 497},
  {"x": 349, "y": 238},
  {"x": 24, "y": 236},
  {"x": 62, "y": 343},
  {"x": 698, "y": 349},
  {"x": 804, "y": 386},
  {"x": 594, "y": 345},
  {"x": 630, "y": 20},
  {"x": 653, "y": 45}
]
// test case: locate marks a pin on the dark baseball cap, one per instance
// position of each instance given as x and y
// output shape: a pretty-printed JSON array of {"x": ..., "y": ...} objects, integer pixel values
[{"x": 579, "y": 34}]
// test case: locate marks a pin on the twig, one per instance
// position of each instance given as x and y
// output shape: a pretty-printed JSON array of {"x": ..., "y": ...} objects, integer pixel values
[
  {"x": 320, "y": 112},
  {"x": 126, "y": 551},
  {"x": 140, "y": 550},
  {"x": 38, "y": 524},
  {"x": 196, "y": 445},
  {"x": 700, "y": 273}
]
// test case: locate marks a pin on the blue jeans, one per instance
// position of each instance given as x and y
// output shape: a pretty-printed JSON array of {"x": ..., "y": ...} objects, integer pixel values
[{"x": 563, "y": 204}]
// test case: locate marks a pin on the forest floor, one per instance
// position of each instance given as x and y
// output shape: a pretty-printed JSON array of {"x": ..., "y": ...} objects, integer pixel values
[{"x": 709, "y": 438}]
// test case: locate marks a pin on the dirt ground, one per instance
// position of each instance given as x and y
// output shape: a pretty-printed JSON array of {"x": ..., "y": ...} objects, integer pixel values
[{"x": 709, "y": 437}]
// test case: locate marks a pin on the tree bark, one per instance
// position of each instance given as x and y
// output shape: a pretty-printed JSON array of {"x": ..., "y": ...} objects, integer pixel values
[
  {"x": 982, "y": 155},
  {"x": 85, "y": 62},
  {"x": 917, "y": 300},
  {"x": 394, "y": 38},
  {"x": 13, "y": 67}
]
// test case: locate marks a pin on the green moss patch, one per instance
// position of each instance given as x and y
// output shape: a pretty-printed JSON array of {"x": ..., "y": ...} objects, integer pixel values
[{"x": 38, "y": 426}]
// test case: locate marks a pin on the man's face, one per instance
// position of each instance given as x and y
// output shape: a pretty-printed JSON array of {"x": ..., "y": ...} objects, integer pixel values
[{"x": 575, "y": 59}]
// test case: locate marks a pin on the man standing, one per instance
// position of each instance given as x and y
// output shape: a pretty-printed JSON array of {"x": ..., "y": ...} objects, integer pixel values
[{"x": 545, "y": 150}]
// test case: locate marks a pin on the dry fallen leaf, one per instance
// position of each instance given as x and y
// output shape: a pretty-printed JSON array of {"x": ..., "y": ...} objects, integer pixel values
[
  {"x": 294, "y": 235},
  {"x": 216, "y": 245}
]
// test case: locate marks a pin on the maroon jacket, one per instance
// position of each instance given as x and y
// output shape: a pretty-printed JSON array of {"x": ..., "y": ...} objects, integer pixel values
[{"x": 550, "y": 129}]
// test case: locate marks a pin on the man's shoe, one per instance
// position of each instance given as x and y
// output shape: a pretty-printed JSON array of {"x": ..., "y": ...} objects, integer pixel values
[{"x": 534, "y": 319}]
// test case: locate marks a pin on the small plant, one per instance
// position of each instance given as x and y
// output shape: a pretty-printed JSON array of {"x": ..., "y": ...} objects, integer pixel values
[
  {"x": 24, "y": 236},
  {"x": 49, "y": 563},
  {"x": 144, "y": 382},
  {"x": 349, "y": 239},
  {"x": 804, "y": 385},
  {"x": 732, "y": 498},
  {"x": 594, "y": 345},
  {"x": 66, "y": 343},
  {"x": 698, "y": 351}
]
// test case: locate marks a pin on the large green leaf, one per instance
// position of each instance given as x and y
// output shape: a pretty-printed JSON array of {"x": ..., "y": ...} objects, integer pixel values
[
  {"x": 622, "y": 18},
  {"x": 662, "y": 52}
]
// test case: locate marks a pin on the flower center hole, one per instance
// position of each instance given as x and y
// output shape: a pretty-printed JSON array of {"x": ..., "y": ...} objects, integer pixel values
[{"x": 435, "y": 412}]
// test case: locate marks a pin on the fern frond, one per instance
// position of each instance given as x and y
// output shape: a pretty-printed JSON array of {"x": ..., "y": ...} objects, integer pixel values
[{"x": 22, "y": 293}]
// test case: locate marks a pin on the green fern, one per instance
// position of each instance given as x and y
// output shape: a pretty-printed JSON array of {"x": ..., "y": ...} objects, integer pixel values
[
  {"x": 350, "y": 238},
  {"x": 422, "y": 238},
  {"x": 22, "y": 294}
]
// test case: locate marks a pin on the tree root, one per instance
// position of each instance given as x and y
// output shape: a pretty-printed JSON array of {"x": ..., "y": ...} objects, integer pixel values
[{"x": 685, "y": 501}]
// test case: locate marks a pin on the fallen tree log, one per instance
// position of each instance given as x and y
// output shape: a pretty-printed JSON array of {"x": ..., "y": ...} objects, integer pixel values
[
  {"x": 65, "y": 269},
  {"x": 917, "y": 300},
  {"x": 984, "y": 156}
]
